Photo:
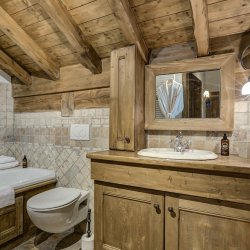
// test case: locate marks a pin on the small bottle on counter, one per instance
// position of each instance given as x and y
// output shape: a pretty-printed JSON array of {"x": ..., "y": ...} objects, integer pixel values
[
  {"x": 225, "y": 145},
  {"x": 25, "y": 162}
]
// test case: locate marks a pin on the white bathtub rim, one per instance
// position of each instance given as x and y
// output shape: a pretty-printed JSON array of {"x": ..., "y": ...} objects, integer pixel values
[{"x": 47, "y": 175}]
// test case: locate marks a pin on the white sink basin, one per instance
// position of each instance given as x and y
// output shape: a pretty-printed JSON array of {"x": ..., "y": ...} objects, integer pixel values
[{"x": 169, "y": 153}]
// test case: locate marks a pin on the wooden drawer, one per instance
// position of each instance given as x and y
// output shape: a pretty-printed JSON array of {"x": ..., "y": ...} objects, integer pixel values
[
  {"x": 205, "y": 184},
  {"x": 11, "y": 221}
]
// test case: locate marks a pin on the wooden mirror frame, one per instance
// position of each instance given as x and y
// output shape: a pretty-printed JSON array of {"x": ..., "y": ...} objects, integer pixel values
[{"x": 226, "y": 120}]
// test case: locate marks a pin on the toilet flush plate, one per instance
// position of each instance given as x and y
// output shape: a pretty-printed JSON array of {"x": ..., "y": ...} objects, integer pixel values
[{"x": 79, "y": 132}]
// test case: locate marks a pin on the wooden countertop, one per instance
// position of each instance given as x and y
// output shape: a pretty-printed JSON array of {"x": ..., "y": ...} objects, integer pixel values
[{"x": 231, "y": 164}]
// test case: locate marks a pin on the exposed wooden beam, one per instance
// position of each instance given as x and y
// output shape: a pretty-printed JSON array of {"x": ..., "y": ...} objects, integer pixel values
[
  {"x": 14, "y": 68},
  {"x": 201, "y": 33},
  {"x": 9, "y": 26},
  {"x": 86, "y": 53},
  {"x": 128, "y": 25}
]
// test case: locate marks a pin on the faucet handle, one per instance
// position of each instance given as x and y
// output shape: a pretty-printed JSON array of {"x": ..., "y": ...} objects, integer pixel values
[{"x": 186, "y": 143}]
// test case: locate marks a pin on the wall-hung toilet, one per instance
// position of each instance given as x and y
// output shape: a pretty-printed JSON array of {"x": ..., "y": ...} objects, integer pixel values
[{"x": 58, "y": 209}]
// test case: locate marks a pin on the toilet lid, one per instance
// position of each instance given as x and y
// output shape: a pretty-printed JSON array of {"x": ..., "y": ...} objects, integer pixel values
[{"x": 53, "y": 198}]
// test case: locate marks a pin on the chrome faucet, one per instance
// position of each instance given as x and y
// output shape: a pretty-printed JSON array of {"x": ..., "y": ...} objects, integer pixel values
[{"x": 179, "y": 143}]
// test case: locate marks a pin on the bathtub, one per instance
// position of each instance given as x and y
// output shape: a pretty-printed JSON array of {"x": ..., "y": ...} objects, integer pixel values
[
  {"x": 26, "y": 182},
  {"x": 22, "y": 177}
]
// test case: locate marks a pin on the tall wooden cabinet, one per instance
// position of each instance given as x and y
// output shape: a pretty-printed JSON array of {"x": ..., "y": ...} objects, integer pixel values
[{"x": 127, "y": 100}]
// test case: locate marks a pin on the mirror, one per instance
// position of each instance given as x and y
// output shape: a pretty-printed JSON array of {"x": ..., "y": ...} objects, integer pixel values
[
  {"x": 188, "y": 95},
  {"x": 193, "y": 94}
]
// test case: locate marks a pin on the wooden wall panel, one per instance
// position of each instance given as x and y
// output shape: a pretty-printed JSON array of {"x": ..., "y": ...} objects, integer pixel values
[
  {"x": 77, "y": 88},
  {"x": 38, "y": 103},
  {"x": 94, "y": 98},
  {"x": 72, "y": 78},
  {"x": 64, "y": 102},
  {"x": 67, "y": 104}
]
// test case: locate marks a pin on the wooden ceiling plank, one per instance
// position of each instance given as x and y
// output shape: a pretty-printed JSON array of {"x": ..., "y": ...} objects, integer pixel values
[
  {"x": 228, "y": 9},
  {"x": 24, "y": 41},
  {"x": 200, "y": 19},
  {"x": 170, "y": 38},
  {"x": 167, "y": 23},
  {"x": 58, "y": 13},
  {"x": 229, "y": 26},
  {"x": 106, "y": 38},
  {"x": 128, "y": 25},
  {"x": 93, "y": 10},
  {"x": 151, "y": 10},
  {"x": 14, "y": 68},
  {"x": 102, "y": 24}
]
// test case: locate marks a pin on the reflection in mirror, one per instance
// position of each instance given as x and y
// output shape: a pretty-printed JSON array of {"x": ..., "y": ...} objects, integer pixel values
[{"x": 188, "y": 95}]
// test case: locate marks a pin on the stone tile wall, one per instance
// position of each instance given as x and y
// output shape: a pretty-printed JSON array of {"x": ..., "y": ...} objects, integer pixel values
[
  {"x": 210, "y": 140},
  {"x": 44, "y": 138},
  {"x": 6, "y": 113}
]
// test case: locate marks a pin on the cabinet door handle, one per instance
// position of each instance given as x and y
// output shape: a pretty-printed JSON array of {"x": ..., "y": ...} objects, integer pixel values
[
  {"x": 127, "y": 140},
  {"x": 156, "y": 206},
  {"x": 170, "y": 210}
]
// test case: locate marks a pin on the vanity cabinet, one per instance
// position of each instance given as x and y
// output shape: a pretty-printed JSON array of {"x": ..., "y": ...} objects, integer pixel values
[
  {"x": 127, "y": 100},
  {"x": 148, "y": 203},
  {"x": 128, "y": 218}
]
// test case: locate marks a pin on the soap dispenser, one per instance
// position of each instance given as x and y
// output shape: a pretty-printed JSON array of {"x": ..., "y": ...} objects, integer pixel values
[
  {"x": 225, "y": 145},
  {"x": 25, "y": 162}
]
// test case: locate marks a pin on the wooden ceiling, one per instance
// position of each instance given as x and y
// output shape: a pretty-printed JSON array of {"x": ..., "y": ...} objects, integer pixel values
[{"x": 41, "y": 36}]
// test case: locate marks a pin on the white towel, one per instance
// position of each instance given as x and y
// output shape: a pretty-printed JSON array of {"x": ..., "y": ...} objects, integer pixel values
[
  {"x": 6, "y": 159},
  {"x": 9, "y": 165},
  {"x": 7, "y": 196}
]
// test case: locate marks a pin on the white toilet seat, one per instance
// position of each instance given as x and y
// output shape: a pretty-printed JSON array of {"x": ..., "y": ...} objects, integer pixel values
[
  {"x": 58, "y": 209},
  {"x": 53, "y": 199}
]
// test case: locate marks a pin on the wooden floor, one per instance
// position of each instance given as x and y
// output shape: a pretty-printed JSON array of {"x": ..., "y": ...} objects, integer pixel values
[{"x": 69, "y": 240}]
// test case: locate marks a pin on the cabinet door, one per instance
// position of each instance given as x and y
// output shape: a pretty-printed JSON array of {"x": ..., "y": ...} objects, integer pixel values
[
  {"x": 128, "y": 218},
  {"x": 205, "y": 225},
  {"x": 11, "y": 218},
  {"x": 126, "y": 100}
]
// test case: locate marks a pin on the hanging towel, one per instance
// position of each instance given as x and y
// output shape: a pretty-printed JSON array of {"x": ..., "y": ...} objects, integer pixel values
[
  {"x": 9, "y": 165},
  {"x": 6, "y": 159},
  {"x": 7, "y": 196}
]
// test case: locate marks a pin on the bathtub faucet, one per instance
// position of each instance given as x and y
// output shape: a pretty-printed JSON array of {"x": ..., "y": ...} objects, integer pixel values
[{"x": 179, "y": 143}]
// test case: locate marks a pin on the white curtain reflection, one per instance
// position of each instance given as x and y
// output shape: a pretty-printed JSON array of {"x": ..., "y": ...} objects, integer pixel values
[{"x": 170, "y": 98}]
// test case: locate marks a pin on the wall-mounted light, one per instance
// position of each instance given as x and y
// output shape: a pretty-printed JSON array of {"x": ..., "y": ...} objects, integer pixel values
[
  {"x": 246, "y": 88},
  {"x": 206, "y": 94}
]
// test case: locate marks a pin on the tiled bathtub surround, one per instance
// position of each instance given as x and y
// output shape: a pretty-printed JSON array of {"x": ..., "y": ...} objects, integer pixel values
[{"x": 210, "y": 140}]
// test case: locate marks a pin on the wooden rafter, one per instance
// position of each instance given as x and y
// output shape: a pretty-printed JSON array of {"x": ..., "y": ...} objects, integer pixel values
[
  {"x": 128, "y": 25},
  {"x": 9, "y": 26},
  {"x": 200, "y": 19},
  {"x": 86, "y": 53},
  {"x": 14, "y": 68}
]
